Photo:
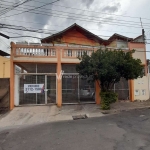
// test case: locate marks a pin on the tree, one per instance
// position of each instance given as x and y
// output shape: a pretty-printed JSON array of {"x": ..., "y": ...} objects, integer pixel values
[{"x": 109, "y": 67}]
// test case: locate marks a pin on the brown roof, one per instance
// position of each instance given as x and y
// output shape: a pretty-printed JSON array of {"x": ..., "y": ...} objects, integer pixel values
[
  {"x": 76, "y": 26},
  {"x": 88, "y": 34}
]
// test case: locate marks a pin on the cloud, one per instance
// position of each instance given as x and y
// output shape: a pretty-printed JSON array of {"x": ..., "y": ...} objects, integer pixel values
[
  {"x": 87, "y": 3},
  {"x": 92, "y": 15},
  {"x": 111, "y": 9}
]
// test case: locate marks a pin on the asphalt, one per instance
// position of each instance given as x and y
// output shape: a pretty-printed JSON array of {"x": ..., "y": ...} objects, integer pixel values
[{"x": 128, "y": 130}]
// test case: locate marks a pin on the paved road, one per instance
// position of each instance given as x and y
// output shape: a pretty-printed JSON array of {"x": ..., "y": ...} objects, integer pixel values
[{"x": 124, "y": 131}]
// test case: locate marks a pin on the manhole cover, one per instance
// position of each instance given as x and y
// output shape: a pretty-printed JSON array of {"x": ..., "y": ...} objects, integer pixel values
[{"x": 79, "y": 117}]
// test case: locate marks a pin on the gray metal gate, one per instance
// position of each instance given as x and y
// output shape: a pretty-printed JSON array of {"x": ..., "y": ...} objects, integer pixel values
[
  {"x": 76, "y": 89},
  {"x": 122, "y": 89},
  {"x": 48, "y": 93}
]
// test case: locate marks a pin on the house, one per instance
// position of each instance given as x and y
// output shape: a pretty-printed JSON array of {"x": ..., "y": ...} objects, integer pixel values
[
  {"x": 48, "y": 69},
  {"x": 4, "y": 65}
]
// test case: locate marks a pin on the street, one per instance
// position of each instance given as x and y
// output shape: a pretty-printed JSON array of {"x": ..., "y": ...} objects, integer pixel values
[{"x": 124, "y": 131}]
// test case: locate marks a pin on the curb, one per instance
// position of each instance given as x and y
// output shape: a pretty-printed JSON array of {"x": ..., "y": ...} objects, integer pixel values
[{"x": 117, "y": 111}]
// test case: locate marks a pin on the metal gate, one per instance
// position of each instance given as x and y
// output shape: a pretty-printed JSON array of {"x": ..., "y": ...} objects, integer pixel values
[
  {"x": 122, "y": 89},
  {"x": 77, "y": 90},
  {"x": 47, "y": 94}
]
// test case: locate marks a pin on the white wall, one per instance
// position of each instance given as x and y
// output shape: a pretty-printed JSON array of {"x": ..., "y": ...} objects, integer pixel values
[{"x": 139, "y": 85}]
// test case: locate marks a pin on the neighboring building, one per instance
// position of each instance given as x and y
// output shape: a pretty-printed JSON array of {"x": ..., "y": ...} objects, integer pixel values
[
  {"x": 43, "y": 63},
  {"x": 4, "y": 65}
]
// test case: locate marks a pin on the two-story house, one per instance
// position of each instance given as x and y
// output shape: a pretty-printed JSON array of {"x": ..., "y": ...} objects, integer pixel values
[{"x": 51, "y": 66}]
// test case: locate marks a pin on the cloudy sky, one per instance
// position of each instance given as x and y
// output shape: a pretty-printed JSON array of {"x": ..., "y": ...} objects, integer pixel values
[{"x": 102, "y": 17}]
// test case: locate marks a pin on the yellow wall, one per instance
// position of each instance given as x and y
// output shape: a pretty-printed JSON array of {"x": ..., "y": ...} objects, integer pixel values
[{"x": 4, "y": 67}]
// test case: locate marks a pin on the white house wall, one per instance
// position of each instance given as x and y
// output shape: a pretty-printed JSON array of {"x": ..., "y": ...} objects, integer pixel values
[{"x": 141, "y": 85}]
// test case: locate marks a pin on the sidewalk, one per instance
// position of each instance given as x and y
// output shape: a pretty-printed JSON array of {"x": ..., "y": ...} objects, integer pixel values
[
  {"x": 126, "y": 106},
  {"x": 41, "y": 114}
]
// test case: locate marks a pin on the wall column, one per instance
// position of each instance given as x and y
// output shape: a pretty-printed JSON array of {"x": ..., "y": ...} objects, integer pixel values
[
  {"x": 97, "y": 92},
  {"x": 131, "y": 84},
  {"x": 59, "y": 79},
  {"x": 12, "y": 72}
]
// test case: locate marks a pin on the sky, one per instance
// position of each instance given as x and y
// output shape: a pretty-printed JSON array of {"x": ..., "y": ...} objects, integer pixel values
[{"x": 101, "y": 17}]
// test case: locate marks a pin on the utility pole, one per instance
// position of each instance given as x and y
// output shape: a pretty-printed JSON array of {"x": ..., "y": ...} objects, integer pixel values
[
  {"x": 143, "y": 35},
  {"x": 143, "y": 32}
]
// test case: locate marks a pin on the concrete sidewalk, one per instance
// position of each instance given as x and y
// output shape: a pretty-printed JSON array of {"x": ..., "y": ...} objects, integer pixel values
[
  {"x": 126, "y": 106},
  {"x": 41, "y": 114}
]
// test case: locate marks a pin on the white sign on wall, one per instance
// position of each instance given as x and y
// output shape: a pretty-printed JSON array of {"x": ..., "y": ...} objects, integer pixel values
[{"x": 33, "y": 88}]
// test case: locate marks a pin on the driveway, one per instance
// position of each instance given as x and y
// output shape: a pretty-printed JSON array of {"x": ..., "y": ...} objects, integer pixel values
[
  {"x": 41, "y": 114},
  {"x": 125, "y": 131}
]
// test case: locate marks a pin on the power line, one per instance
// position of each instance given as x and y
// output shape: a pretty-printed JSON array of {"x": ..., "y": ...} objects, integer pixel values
[
  {"x": 89, "y": 20},
  {"x": 22, "y": 28},
  {"x": 14, "y": 6},
  {"x": 88, "y": 10},
  {"x": 31, "y": 22},
  {"x": 105, "y": 19},
  {"x": 34, "y": 8},
  {"x": 75, "y": 14}
]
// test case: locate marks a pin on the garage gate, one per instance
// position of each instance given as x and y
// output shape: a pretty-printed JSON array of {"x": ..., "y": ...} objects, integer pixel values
[
  {"x": 77, "y": 89},
  {"x": 27, "y": 85},
  {"x": 35, "y": 84}
]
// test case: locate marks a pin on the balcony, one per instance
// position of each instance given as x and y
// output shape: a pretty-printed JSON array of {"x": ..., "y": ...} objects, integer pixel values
[
  {"x": 37, "y": 51},
  {"x": 34, "y": 50}
]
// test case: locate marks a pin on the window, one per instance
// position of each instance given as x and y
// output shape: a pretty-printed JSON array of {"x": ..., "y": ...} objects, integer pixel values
[
  {"x": 69, "y": 52},
  {"x": 136, "y": 92},
  {"x": 143, "y": 92}
]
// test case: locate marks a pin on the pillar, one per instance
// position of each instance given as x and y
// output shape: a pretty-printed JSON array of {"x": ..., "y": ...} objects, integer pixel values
[
  {"x": 12, "y": 72},
  {"x": 97, "y": 92},
  {"x": 59, "y": 79},
  {"x": 131, "y": 84}
]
